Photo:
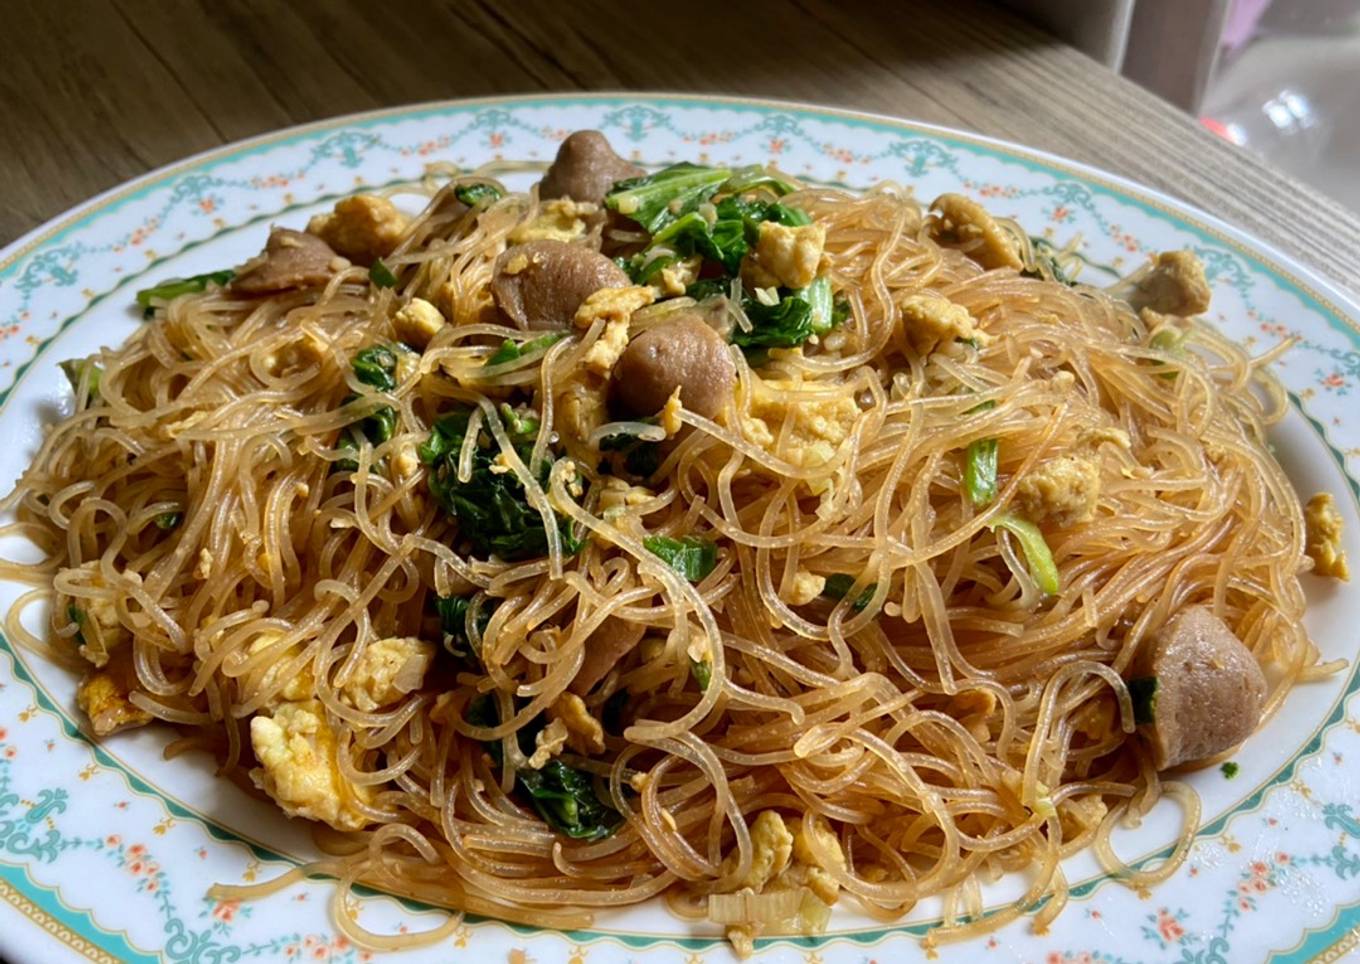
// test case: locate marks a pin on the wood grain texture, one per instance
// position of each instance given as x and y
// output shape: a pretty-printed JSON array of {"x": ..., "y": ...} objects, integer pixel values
[{"x": 93, "y": 92}]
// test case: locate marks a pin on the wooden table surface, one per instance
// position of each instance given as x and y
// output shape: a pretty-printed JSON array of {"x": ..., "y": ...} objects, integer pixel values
[{"x": 94, "y": 92}]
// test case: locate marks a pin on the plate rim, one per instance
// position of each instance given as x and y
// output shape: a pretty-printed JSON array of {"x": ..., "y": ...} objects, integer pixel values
[{"x": 1328, "y": 298}]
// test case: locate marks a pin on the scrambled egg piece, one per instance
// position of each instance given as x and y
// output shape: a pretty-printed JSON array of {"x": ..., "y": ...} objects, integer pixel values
[
  {"x": 930, "y": 319},
  {"x": 560, "y": 219},
  {"x": 771, "y": 847},
  {"x": 417, "y": 321},
  {"x": 784, "y": 255},
  {"x": 406, "y": 462},
  {"x": 617, "y": 496},
  {"x": 548, "y": 744},
  {"x": 679, "y": 276},
  {"x": 806, "y": 858},
  {"x": 388, "y": 669},
  {"x": 585, "y": 735},
  {"x": 307, "y": 346},
  {"x": 582, "y": 410},
  {"x": 1323, "y": 524},
  {"x": 1065, "y": 489},
  {"x": 103, "y": 697},
  {"x": 301, "y": 686},
  {"x": 806, "y": 587},
  {"x": 818, "y": 421},
  {"x": 814, "y": 830},
  {"x": 1175, "y": 285},
  {"x": 961, "y": 222},
  {"x": 298, "y": 767},
  {"x": 362, "y": 227},
  {"x": 1078, "y": 815},
  {"x": 100, "y": 630},
  {"x": 671, "y": 422},
  {"x": 615, "y": 307}
]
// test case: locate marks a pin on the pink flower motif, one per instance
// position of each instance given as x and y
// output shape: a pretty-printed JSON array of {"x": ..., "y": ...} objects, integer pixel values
[
  {"x": 497, "y": 139},
  {"x": 225, "y": 910},
  {"x": 1170, "y": 928},
  {"x": 1282, "y": 857},
  {"x": 3, "y": 732},
  {"x": 1244, "y": 904},
  {"x": 207, "y": 205},
  {"x": 1259, "y": 867},
  {"x": 10, "y": 753},
  {"x": 151, "y": 887},
  {"x": 136, "y": 850},
  {"x": 135, "y": 867},
  {"x": 777, "y": 145},
  {"x": 1259, "y": 885},
  {"x": 1053, "y": 958},
  {"x": 112, "y": 839},
  {"x": 1061, "y": 213}
]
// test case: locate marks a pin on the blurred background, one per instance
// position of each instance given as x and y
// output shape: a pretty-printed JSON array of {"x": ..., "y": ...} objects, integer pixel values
[{"x": 1280, "y": 78}]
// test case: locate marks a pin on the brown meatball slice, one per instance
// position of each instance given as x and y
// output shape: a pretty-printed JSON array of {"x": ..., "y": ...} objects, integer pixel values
[
  {"x": 585, "y": 168},
  {"x": 1201, "y": 691},
  {"x": 291, "y": 259},
  {"x": 539, "y": 285},
  {"x": 611, "y": 641},
  {"x": 683, "y": 353}
]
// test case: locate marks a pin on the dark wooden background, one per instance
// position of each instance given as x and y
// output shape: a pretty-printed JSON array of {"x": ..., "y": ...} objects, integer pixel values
[{"x": 93, "y": 92}]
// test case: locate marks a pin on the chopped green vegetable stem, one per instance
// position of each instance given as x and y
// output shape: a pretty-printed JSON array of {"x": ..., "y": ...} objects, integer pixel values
[{"x": 1038, "y": 556}]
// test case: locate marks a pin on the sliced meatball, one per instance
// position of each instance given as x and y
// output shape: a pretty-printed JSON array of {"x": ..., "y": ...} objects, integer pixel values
[
  {"x": 585, "y": 168},
  {"x": 683, "y": 353},
  {"x": 540, "y": 285},
  {"x": 1201, "y": 691},
  {"x": 611, "y": 641},
  {"x": 1174, "y": 285},
  {"x": 291, "y": 259}
]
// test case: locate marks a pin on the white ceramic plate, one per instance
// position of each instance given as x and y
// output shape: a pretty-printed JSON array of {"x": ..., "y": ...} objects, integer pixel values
[{"x": 107, "y": 850}]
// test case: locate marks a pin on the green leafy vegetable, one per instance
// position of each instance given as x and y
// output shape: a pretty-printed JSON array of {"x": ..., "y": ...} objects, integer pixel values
[
  {"x": 722, "y": 241},
  {"x": 1047, "y": 263},
  {"x": 702, "y": 671},
  {"x": 565, "y": 798},
  {"x": 459, "y": 619},
  {"x": 168, "y": 520},
  {"x": 474, "y": 194},
  {"x": 641, "y": 458},
  {"x": 381, "y": 275},
  {"x": 1143, "y": 693},
  {"x": 754, "y": 176},
  {"x": 492, "y": 510},
  {"x": 783, "y": 325},
  {"x": 708, "y": 288},
  {"x": 76, "y": 368},
  {"x": 980, "y": 466},
  {"x": 77, "y": 615},
  {"x": 839, "y": 583},
  {"x": 174, "y": 287},
  {"x": 512, "y": 351},
  {"x": 1229, "y": 769},
  {"x": 752, "y": 212},
  {"x": 692, "y": 556},
  {"x": 840, "y": 312},
  {"x": 376, "y": 365},
  {"x": 1038, "y": 556},
  {"x": 654, "y": 200}
]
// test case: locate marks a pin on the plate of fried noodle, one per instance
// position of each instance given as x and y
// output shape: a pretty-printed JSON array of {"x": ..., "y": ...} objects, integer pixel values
[{"x": 652, "y": 528}]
